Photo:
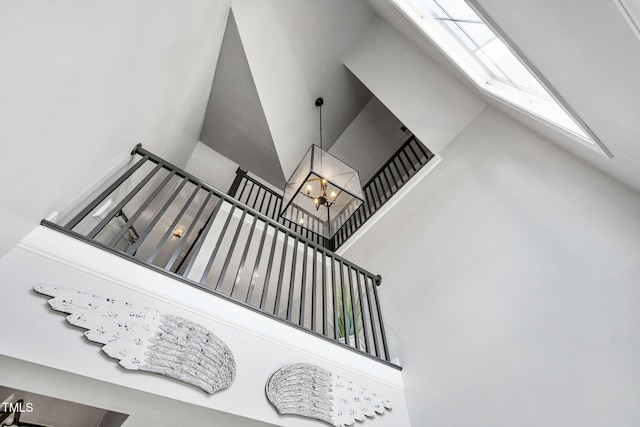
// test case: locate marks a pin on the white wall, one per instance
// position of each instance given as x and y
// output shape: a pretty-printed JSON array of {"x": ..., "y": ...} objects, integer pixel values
[
  {"x": 212, "y": 167},
  {"x": 260, "y": 345},
  {"x": 370, "y": 140},
  {"x": 510, "y": 275},
  {"x": 295, "y": 49},
  {"x": 144, "y": 409},
  {"x": 83, "y": 82},
  {"x": 423, "y": 95}
]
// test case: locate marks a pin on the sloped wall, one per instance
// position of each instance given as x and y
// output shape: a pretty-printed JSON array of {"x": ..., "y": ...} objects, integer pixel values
[
  {"x": 295, "y": 50},
  {"x": 415, "y": 88},
  {"x": 370, "y": 140},
  {"x": 85, "y": 81},
  {"x": 510, "y": 275}
]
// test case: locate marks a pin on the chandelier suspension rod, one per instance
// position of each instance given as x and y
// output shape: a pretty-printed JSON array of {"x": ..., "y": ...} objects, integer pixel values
[{"x": 319, "y": 103}]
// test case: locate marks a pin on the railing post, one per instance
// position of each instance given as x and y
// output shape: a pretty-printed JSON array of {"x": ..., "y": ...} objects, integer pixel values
[{"x": 240, "y": 174}]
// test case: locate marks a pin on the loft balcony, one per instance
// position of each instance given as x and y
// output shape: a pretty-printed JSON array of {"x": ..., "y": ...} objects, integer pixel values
[
  {"x": 240, "y": 249},
  {"x": 163, "y": 218},
  {"x": 387, "y": 181}
]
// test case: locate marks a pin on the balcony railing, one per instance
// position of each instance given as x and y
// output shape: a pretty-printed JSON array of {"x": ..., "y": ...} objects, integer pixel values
[
  {"x": 161, "y": 217},
  {"x": 268, "y": 202},
  {"x": 386, "y": 182}
]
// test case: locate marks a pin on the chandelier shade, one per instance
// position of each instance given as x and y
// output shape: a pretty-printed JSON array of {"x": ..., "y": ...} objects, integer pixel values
[{"x": 324, "y": 188}]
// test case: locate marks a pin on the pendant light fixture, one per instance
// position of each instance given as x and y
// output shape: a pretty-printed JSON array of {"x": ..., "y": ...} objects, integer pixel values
[{"x": 322, "y": 187}]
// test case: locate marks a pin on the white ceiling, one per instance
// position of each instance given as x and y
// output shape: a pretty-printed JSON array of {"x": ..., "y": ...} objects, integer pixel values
[
  {"x": 589, "y": 53},
  {"x": 295, "y": 52},
  {"x": 234, "y": 124}
]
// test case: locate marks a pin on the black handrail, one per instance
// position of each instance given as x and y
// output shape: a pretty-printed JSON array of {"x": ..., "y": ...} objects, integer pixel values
[
  {"x": 405, "y": 162},
  {"x": 242, "y": 189},
  {"x": 232, "y": 250},
  {"x": 386, "y": 182}
]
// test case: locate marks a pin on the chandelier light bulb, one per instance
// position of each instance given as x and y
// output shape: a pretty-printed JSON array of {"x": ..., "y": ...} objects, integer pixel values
[
  {"x": 178, "y": 232},
  {"x": 308, "y": 189}
]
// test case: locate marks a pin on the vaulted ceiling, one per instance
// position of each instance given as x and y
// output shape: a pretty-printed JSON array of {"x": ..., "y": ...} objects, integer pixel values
[
  {"x": 279, "y": 55},
  {"x": 589, "y": 52}
]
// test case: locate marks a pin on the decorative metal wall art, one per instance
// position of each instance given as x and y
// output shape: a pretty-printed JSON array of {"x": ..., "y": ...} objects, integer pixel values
[
  {"x": 311, "y": 391},
  {"x": 148, "y": 340}
]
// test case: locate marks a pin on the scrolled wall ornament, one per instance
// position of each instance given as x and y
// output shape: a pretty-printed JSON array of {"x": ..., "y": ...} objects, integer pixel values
[
  {"x": 311, "y": 391},
  {"x": 148, "y": 340}
]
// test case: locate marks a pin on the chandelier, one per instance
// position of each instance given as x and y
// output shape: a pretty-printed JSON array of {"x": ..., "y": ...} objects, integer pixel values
[{"x": 323, "y": 192}]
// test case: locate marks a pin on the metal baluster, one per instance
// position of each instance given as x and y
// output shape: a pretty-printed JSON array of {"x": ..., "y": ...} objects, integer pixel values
[
  {"x": 397, "y": 177},
  {"x": 292, "y": 280},
  {"x": 244, "y": 257},
  {"x": 253, "y": 185},
  {"x": 173, "y": 225},
  {"x": 364, "y": 323},
  {"x": 353, "y": 310},
  {"x": 325, "y": 332},
  {"x": 267, "y": 276},
  {"x": 384, "y": 175},
  {"x": 230, "y": 253},
  {"x": 428, "y": 154},
  {"x": 123, "y": 230},
  {"x": 277, "y": 208},
  {"x": 382, "y": 333},
  {"x": 371, "y": 316},
  {"x": 375, "y": 187},
  {"x": 372, "y": 200},
  {"x": 414, "y": 165},
  {"x": 276, "y": 307},
  {"x": 256, "y": 265},
  {"x": 362, "y": 214},
  {"x": 202, "y": 234},
  {"x": 243, "y": 188},
  {"x": 314, "y": 291},
  {"x": 264, "y": 196},
  {"x": 403, "y": 162},
  {"x": 94, "y": 204},
  {"x": 122, "y": 203},
  {"x": 397, "y": 160},
  {"x": 393, "y": 187},
  {"x": 207, "y": 269},
  {"x": 133, "y": 248},
  {"x": 345, "y": 318},
  {"x": 335, "y": 302},
  {"x": 303, "y": 293},
  {"x": 269, "y": 207},
  {"x": 414, "y": 153},
  {"x": 240, "y": 175},
  {"x": 187, "y": 233}
]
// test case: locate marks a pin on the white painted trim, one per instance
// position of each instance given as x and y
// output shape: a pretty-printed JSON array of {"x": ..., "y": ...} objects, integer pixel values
[
  {"x": 629, "y": 17},
  {"x": 68, "y": 251},
  {"x": 486, "y": 85},
  {"x": 415, "y": 180}
]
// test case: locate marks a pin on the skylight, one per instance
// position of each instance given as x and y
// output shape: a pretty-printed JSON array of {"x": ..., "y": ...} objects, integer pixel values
[{"x": 476, "y": 49}]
